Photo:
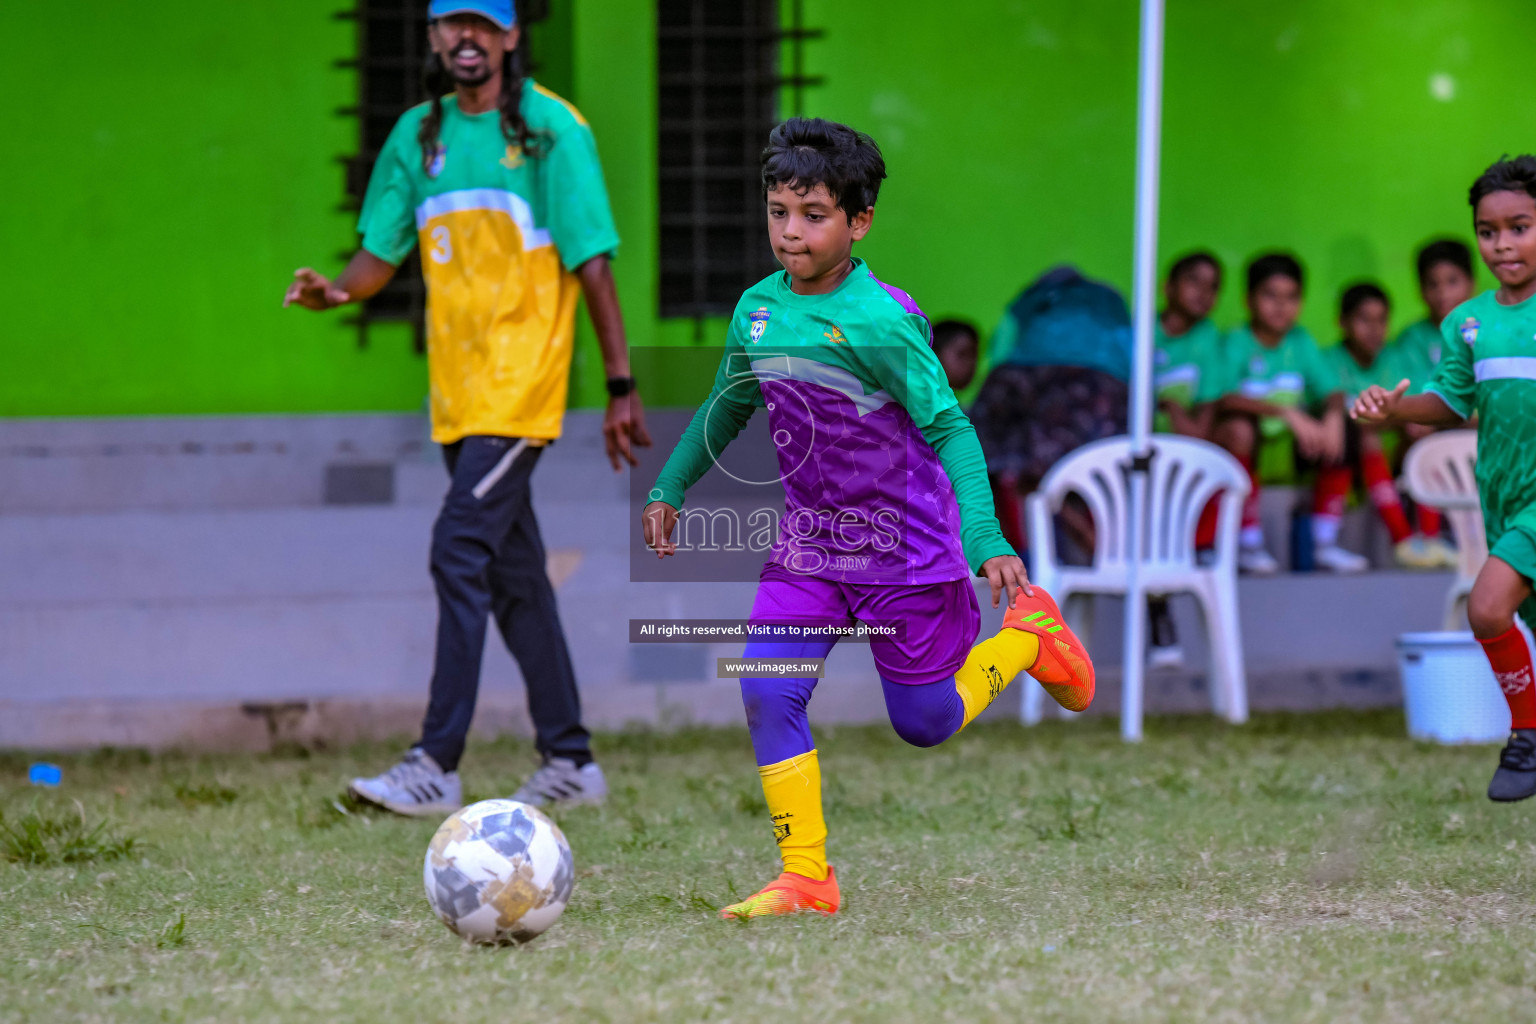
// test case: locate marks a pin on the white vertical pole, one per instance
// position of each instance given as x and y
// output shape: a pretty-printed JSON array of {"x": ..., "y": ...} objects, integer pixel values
[{"x": 1143, "y": 308}]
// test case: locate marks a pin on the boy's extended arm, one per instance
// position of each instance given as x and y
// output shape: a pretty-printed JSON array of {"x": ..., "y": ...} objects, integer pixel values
[
  {"x": 953, "y": 439},
  {"x": 714, "y": 426},
  {"x": 1429, "y": 409},
  {"x": 1379, "y": 407}
]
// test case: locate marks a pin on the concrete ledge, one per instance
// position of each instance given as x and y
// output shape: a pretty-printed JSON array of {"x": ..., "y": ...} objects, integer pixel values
[{"x": 261, "y": 726}]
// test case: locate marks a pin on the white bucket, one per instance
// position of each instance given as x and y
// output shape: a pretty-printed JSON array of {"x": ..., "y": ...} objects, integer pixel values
[{"x": 1449, "y": 691}]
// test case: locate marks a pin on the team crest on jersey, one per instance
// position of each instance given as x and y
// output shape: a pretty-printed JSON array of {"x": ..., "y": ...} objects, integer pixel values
[
  {"x": 514, "y": 158},
  {"x": 759, "y": 322},
  {"x": 835, "y": 335},
  {"x": 438, "y": 159},
  {"x": 1469, "y": 328},
  {"x": 1257, "y": 366}
]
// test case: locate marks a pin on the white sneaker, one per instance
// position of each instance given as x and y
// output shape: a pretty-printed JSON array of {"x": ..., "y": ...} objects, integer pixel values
[
  {"x": 559, "y": 781},
  {"x": 1256, "y": 562},
  {"x": 1165, "y": 656},
  {"x": 1415, "y": 553},
  {"x": 415, "y": 787},
  {"x": 1446, "y": 556},
  {"x": 1335, "y": 559}
]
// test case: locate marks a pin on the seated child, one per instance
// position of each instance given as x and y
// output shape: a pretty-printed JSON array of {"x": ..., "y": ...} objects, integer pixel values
[
  {"x": 844, "y": 366},
  {"x": 1187, "y": 379},
  {"x": 1488, "y": 345},
  {"x": 957, "y": 345},
  {"x": 1445, "y": 282},
  {"x": 1363, "y": 358},
  {"x": 1284, "y": 399},
  {"x": 1186, "y": 366}
]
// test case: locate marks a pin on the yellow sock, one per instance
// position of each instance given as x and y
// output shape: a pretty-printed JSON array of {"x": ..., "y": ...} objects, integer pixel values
[
  {"x": 991, "y": 666},
  {"x": 793, "y": 789}
]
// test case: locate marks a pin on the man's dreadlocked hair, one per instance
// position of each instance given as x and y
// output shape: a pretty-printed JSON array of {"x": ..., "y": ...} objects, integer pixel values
[{"x": 438, "y": 83}]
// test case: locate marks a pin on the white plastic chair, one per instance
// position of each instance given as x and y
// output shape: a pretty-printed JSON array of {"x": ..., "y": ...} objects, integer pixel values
[
  {"x": 1440, "y": 472},
  {"x": 1184, "y": 474}
]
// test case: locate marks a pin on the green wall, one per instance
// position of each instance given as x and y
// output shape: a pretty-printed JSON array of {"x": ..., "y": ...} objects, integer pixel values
[
  {"x": 175, "y": 162},
  {"x": 178, "y": 163}
]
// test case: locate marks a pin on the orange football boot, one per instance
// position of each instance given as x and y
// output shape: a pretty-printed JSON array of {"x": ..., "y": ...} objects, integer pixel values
[
  {"x": 1063, "y": 667},
  {"x": 788, "y": 894}
]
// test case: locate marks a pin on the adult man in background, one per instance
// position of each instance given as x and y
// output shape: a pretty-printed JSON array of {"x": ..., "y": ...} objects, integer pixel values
[{"x": 500, "y": 184}]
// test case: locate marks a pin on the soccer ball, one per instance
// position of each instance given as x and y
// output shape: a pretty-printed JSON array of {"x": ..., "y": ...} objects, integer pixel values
[{"x": 499, "y": 871}]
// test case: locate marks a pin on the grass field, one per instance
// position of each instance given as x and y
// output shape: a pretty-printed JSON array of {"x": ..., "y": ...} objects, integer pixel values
[{"x": 1300, "y": 868}]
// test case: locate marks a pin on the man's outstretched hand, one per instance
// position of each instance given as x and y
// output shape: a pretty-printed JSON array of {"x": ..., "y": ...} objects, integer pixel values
[
  {"x": 314, "y": 290},
  {"x": 624, "y": 430},
  {"x": 1006, "y": 571}
]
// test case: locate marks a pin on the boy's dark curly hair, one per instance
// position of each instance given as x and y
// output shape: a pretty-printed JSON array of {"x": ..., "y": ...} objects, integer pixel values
[
  {"x": 1505, "y": 175},
  {"x": 1358, "y": 295},
  {"x": 1445, "y": 250},
  {"x": 804, "y": 152},
  {"x": 1274, "y": 264}
]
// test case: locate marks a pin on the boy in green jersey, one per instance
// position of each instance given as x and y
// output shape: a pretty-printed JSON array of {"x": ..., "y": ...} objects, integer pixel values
[
  {"x": 1187, "y": 348},
  {"x": 1489, "y": 369},
  {"x": 1445, "y": 282},
  {"x": 1284, "y": 398},
  {"x": 957, "y": 344},
  {"x": 1363, "y": 358},
  {"x": 1186, "y": 378}
]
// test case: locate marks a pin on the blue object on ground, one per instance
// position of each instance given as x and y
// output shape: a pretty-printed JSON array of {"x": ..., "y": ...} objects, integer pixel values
[{"x": 44, "y": 774}]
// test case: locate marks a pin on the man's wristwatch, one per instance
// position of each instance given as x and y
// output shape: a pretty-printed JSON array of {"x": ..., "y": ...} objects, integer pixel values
[{"x": 618, "y": 387}]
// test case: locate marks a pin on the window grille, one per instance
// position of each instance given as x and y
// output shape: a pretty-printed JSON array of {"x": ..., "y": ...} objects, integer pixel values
[
  {"x": 392, "y": 54},
  {"x": 720, "y": 84}
]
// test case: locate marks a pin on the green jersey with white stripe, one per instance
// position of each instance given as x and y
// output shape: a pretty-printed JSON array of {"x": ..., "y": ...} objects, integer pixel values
[
  {"x": 1187, "y": 368},
  {"x": 1489, "y": 369}
]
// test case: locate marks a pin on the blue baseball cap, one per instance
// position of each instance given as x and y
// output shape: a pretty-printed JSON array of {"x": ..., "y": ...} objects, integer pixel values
[{"x": 499, "y": 11}]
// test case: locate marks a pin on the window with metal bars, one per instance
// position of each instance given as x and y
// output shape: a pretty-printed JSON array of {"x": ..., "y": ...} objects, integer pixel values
[
  {"x": 720, "y": 81},
  {"x": 392, "y": 54}
]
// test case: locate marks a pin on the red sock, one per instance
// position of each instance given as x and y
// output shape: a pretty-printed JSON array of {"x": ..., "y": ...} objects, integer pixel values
[
  {"x": 1332, "y": 488},
  {"x": 1006, "y": 493},
  {"x": 1429, "y": 521},
  {"x": 1205, "y": 533},
  {"x": 1251, "y": 503},
  {"x": 1511, "y": 661},
  {"x": 1378, "y": 481}
]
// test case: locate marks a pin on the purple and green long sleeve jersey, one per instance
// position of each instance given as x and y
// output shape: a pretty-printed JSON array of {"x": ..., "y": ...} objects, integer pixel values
[{"x": 884, "y": 480}]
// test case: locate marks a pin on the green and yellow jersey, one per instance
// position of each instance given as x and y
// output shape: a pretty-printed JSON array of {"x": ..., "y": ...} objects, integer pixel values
[
  {"x": 1186, "y": 368},
  {"x": 501, "y": 232}
]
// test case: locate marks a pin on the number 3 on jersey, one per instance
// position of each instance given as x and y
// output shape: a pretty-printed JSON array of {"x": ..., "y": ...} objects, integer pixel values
[{"x": 442, "y": 245}]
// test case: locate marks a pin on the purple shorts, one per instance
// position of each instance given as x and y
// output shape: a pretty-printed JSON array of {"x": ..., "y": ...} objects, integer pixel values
[{"x": 936, "y": 623}]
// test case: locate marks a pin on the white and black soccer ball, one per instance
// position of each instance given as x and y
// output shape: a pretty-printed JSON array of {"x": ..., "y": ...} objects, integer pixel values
[{"x": 499, "y": 871}]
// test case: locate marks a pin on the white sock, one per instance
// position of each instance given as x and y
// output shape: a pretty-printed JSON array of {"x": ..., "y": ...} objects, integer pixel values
[
  {"x": 1251, "y": 536},
  {"x": 1325, "y": 530}
]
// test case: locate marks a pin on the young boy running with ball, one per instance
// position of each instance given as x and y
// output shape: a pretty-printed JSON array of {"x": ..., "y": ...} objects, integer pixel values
[
  {"x": 1488, "y": 368},
  {"x": 888, "y": 511}
]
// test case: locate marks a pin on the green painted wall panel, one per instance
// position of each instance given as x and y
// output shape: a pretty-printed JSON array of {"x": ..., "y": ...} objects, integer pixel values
[
  {"x": 171, "y": 172},
  {"x": 171, "y": 186}
]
